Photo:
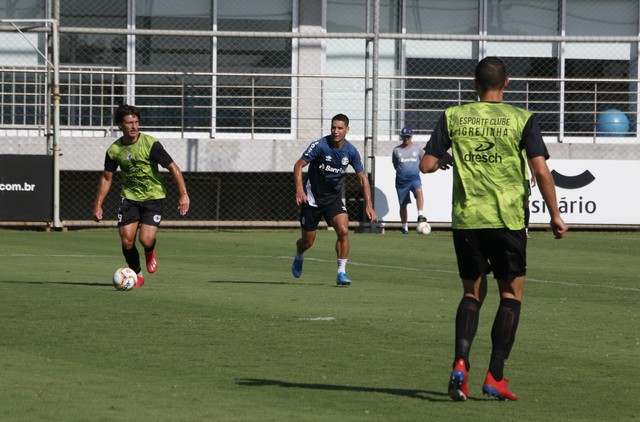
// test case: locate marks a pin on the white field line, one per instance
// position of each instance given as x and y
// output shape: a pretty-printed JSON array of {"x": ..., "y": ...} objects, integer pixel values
[{"x": 361, "y": 264}]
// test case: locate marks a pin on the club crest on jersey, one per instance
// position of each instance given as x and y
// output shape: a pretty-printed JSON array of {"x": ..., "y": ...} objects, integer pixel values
[
  {"x": 345, "y": 161},
  {"x": 129, "y": 156}
]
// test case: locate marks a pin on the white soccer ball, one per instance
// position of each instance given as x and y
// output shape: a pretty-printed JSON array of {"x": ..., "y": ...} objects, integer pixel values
[
  {"x": 424, "y": 227},
  {"x": 125, "y": 279}
]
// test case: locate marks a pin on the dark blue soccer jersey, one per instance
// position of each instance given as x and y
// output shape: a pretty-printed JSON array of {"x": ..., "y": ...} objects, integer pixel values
[{"x": 327, "y": 166}]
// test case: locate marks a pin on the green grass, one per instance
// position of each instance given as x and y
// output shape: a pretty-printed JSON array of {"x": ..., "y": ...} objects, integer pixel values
[{"x": 223, "y": 332}]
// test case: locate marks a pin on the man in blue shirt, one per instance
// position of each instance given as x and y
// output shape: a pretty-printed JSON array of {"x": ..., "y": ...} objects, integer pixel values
[
  {"x": 320, "y": 197},
  {"x": 406, "y": 160}
]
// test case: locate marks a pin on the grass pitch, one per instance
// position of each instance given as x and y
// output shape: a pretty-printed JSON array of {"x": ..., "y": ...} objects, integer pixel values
[{"x": 223, "y": 332}]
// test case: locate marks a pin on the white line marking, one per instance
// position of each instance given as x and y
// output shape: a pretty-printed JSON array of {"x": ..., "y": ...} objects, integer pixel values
[
  {"x": 320, "y": 318},
  {"x": 361, "y": 264}
]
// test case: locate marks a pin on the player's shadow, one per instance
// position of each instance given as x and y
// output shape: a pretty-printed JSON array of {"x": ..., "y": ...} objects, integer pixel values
[
  {"x": 64, "y": 283},
  {"x": 435, "y": 396}
]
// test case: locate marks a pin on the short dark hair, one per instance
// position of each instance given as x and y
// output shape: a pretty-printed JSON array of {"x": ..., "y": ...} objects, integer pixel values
[
  {"x": 125, "y": 110},
  {"x": 342, "y": 118},
  {"x": 491, "y": 73}
]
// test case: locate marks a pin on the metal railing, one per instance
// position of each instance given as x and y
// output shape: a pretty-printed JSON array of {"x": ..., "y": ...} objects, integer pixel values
[{"x": 188, "y": 105}]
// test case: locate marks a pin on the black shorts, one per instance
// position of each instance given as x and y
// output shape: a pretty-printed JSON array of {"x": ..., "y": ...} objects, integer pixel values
[
  {"x": 481, "y": 251},
  {"x": 310, "y": 216},
  {"x": 146, "y": 212}
]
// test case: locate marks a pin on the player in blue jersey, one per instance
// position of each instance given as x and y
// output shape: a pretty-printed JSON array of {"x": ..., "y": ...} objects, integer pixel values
[
  {"x": 406, "y": 160},
  {"x": 320, "y": 197}
]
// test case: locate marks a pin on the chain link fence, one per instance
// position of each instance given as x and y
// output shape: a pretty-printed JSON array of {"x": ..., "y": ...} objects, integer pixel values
[{"x": 235, "y": 91}]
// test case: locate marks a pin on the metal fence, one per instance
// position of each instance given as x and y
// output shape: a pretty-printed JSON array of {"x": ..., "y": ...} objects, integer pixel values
[{"x": 236, "y": 108}]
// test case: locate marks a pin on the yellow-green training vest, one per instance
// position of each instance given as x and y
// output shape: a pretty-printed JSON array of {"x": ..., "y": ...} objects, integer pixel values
[
  {"x": 141, "y": 178},
  {"x": 490, "y": 175}
]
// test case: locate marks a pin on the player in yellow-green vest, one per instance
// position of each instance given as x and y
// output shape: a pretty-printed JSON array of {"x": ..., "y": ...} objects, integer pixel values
[
  {"x": 492, "y": 144},
  {"x": 138, "y": 156}
]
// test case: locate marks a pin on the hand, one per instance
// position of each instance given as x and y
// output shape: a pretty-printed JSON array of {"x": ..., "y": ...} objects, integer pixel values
[
  {"x": 183, "y": 204},
  {"x": 445, "y": 161},
  {"x": 301, "y": 198},
  {"x": 559, "y": 228},
  {"x": 373, "y": 217},
  {"x": 97, "y": 214}
]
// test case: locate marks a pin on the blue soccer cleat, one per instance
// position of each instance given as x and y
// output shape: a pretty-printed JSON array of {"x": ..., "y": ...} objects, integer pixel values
[
  {"x": 343, "y": 280},
  {"x": 296, "y": 268}
]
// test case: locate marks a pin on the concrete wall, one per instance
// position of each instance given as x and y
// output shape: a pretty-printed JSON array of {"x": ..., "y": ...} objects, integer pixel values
[{"x": 276, "y": 155}]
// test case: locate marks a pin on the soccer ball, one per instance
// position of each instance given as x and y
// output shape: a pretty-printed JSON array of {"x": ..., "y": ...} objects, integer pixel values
[
  {"x": 125, "y": 279},
  {"x": 424, "y": 228}
]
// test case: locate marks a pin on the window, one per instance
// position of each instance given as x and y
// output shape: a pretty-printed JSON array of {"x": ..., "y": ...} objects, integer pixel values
[
  {"x": 442, "y": 17},
  {"x": 425, "y": 100},
  {"x": 174, "y": 102},
  {"x": 247, "y": 103}
]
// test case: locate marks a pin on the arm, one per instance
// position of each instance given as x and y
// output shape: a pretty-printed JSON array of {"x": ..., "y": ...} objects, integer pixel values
[
  {"x": 548, "y": 190},
  {"x": 533, "y": 176},
  {"x": 301, "y": 195},
  {"x": 183, "y": 201},
  {"x": 436, "y": 155},
  {"x": 366, "y": 192},
  {"x": 103, "y": 189},
  {"x": 429, "y": 164}
]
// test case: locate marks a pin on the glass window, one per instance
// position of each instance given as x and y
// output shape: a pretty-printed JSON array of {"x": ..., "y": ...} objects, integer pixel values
[
  {"x": 256, "y": 104},
  {"x": 520, "y": 17},
  {"x": 425, "y": 99},
  {"x": 442, "y": 17},
  {"x": 23, "y": 9},
  {"x": 185, "y": 103},
  {"x": 93, "y": 49},
  {"x": 175, "y": 53},
  {"x": 585, "y": 99},
  {"x": 599, "y": 17},
  {"x": 351, "y": 15},
  {"x": 94, "y": 14},
  {"x": 527, "y": 91}
]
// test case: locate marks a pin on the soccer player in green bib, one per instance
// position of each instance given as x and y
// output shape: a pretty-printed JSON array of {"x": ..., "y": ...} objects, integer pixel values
[
  {"x": 143, "y": 192},
  {"x": 492, "y": 144}
]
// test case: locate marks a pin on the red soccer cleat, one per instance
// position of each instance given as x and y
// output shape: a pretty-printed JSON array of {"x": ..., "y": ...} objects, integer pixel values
[
  {"x": 152, "y": 262},
  {"x": 140, "y": 281},
  {"x": 458, "y": 383},
  {"x": 497, "y": 389}
]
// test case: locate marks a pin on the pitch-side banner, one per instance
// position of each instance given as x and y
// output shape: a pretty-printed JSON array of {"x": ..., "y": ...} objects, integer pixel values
[
  {"x": 589, "y": 192},
  {"x": 26, "y": 188}
]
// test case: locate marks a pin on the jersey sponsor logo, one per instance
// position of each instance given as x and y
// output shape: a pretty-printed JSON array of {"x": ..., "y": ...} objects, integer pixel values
[
  {"x": 330, "y": 169},
  {"x": 478, "y": 157},
  {"x": 484, "y": 147},
  {"x": 572, "y": 182},
  {"x": 482, "y": 131}
]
